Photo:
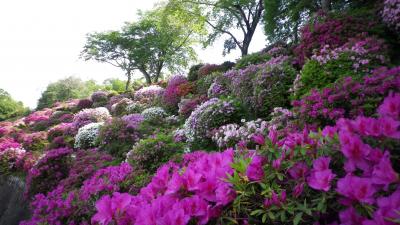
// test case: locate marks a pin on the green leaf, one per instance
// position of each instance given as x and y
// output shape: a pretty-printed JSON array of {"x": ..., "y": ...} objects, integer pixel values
[{"x": 297, "y": 218}]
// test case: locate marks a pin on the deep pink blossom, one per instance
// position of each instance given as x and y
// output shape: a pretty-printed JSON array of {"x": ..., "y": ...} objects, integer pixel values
[
  {"x": 255, "y": 171},
  {"x": 356, "y": 188}
]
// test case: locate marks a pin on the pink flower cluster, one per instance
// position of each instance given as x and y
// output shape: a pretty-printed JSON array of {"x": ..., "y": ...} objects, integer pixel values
[
  {"x": 175, "y": 195},
  {"x": 7, "y": 142},
  {"x": 171, "y": 95},
  {"x": 38, "y": 116},
  {"x": 347, "y": 98}
]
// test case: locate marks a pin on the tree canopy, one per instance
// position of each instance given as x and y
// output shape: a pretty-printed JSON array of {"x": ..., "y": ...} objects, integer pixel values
[
  {"x": 65, "y": 89},
  {"x": 161, "y": 39},
  {"x": 235, "y": 19},
  {"x": 10, "y": 108}
]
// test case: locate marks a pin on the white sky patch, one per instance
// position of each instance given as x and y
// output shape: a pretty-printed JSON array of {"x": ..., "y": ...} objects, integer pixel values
[{"x": 41, "y": 40}]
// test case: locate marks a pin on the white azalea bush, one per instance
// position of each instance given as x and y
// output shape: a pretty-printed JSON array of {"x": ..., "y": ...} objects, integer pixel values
[
  {"x": 154, "y": 114},
  {"x": 87, "y": 136}
]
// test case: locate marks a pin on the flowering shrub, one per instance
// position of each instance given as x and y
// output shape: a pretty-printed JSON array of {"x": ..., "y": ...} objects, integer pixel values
[
  {"x": 154, "y": 115},
  {"x": 208, "y": 69},
  {"x": 149, "y": 154},
  {"x": 186, "y": 106},
  {"x": 99, "y": 98},
  {"x": 216, "y": 90},
  {"x": 171, "y": 96},
  {"x": 49, "y": 170},
  {"x": 325, "y": 30},
  {"x": 197, "y": 193},
  {"x": 391, "y": 14},
  {"x": 87, "y": 136},
  {"x": 84, "y": 104},
  {"x": 347, "y": 98},
  {"x": 209, "y": 115},
  {"x": 120, "y": 108},
  {"x": 119, "y": 134},
  {"x": 344, "y": 174},
  {"x": 150, "y": 95},
  {"x": 60, "y": 117},
  {"x": 231, "y": 134},
  {"x": 36, "y": 141},
  {"x": 7, "y": 142},
  {"x": 262, "y": 87},
  {"x": 252, "y": 59},
  {"x": 134, "y": 107},
  {"x": 87, "y": 116},
  {"x": 76, "y": 206},
  {"x": 11, "y": 160},
  {"x": 357, "y": 57}
]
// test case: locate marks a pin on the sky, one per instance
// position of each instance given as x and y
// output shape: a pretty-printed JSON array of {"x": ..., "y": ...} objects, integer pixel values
[{"x": 41, "y": 40}]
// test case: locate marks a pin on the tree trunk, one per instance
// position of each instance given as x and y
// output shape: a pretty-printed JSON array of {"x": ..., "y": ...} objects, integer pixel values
[
  {"x": 128, "y": 82},
  {"x": 146, "y": 75}
]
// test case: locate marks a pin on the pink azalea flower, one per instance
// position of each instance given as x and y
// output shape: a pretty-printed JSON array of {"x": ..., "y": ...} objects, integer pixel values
[
  {"x": 354, "y": 150},
  {"x": 350, "y": 217},
  {"x": 356, "y": 188},
  {"x": 322, "y": 163},
  {"x": 383, "y": 172},
  {"x": 255, "y": 171},
  {"x": 104, "y": 213},
  {"x": 320, "y": 180},
  {"x": 258, "y": 139},
  {"x": 390, "y": 107},
  {"x": 390, "y": 127},
  {"x": 329, "y": 131},
  {"x": 298, "y": 190},
  {"x": 273, "y": 135},
  {"x": 298, "y": 170}
]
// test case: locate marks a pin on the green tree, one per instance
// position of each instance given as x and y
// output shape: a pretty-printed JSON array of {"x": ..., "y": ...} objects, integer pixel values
[
  {"x": 65, "y": 89},
  {"x": 283, "y": 18},
  {"x": 10, "y": 108},
  {"x": 160, "y": 39},
  {"x": 113, "y": 84},
  {"x": 226, "y": 17}
]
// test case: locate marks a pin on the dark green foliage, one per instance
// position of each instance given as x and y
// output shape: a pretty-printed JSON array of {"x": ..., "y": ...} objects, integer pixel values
[
  {"x": 205, "y": 82},
  {"x": 149, "y": 154},
  {"x": 271, "y": 88},
  {"x": 194, "y": 72},
  {"x": 252, "y": 59},
  {"x": 116, "y": 139}
]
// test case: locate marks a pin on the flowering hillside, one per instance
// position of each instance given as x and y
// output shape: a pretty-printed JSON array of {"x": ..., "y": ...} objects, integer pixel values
[{"x": 294, "y": 134}]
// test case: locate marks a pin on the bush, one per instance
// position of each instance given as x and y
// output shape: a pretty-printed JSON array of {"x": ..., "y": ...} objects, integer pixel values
[
  {"x": 36, "y": 141},
  {"x": 206, "y": 117},
  {"x": 99, "y": 98},
  {"x": 84, "y": 103},
  {"x": 186, "y": 106},
  {"x": 87, "y": 136},
  {"x": 193, "y": 74},
  {"x": 203, "y": 84},
  {"x": 48, "y": 172},
  {"x": 154, "y": 115},
  {"x": 120, "y": 108},
  {"x": 391, "y": 14},
  {"x": 149, "y": 154},
  {"x": 119, "y": 134},
  {"x": 327, "y": 30},
  {"x": 357, "y": 57},
  {"x": 252, "y": 59},
  {"x": 208, "y": 69},
  {"x": 172, "y": 95},
  {"x": 87, "y": 116},
  {"x": 135, "y": 107},
  {"x": 347, "y": 98}
]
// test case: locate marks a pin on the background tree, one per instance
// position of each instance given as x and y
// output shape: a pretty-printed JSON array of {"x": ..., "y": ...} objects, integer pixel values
[
  {"x": 65, "y": 89},
  {"x": 161, "y": 39},
  {"x": 114, "y": 84},
  {"x": 110, "y": 47},
  {"x": 283, "y": 18},
  {"x": 10, "y": 108},
  {"x": 228, "y": 18}
]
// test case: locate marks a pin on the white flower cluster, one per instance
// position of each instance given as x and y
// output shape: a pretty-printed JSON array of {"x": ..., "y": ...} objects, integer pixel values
[
  {"x": 229, "y": 135},
  {"x": 87, "y": 135},
  {"x": 154, "y": 114}
]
